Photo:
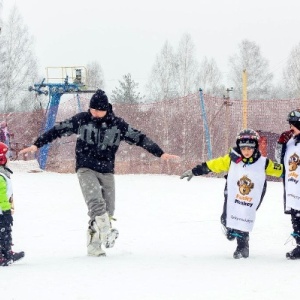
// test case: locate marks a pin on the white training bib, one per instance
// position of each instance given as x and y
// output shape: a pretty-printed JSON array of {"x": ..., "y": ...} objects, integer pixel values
[
  {"x": 292, "y": 172},
  {"x": 245, "y": 184}
]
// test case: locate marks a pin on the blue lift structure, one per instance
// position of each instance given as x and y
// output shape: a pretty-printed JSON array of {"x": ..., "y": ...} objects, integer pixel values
[{"x": 55, "y": 91}]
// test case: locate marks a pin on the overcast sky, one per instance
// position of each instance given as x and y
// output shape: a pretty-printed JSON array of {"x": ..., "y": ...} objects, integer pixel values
[{"x": 125, "y": 36}]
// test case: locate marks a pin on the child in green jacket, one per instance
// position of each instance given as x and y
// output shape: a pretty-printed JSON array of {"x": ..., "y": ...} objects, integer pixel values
[{"x": 7, "y": 256}]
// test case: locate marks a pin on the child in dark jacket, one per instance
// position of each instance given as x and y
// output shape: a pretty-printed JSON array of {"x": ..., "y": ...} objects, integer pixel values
[
  {"x": 245, "y": 186},
  {"x": 7, "y": 256}
]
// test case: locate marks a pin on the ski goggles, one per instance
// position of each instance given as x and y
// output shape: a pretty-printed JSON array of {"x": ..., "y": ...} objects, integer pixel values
[{"x": 246, "y": 143}]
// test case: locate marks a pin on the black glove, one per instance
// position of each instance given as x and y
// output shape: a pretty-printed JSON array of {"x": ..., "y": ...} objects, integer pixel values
[
  {"x": 201, "y": 169},
  {"x": 189, "y": 174}
]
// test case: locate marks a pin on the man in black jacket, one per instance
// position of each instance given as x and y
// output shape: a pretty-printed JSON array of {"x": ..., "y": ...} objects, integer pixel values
[{"x": 99, "y": 134}]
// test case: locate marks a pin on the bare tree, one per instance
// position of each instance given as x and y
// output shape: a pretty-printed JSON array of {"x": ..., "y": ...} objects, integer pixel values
[
  {"x": 18, "y": 65},
  {"x": 126, "y": 92},
  {"x": 186, "y": 66},
  {"x": 95, "y": 76},
  {"x": 1, "y": 48},
  {"x": 1, "y": 6},
  {"x": 291, "y": 73},
  {"x": 209, "y": 78},
  {"x": 162, "y": 82},
  {"x": 259, "y": 78}
]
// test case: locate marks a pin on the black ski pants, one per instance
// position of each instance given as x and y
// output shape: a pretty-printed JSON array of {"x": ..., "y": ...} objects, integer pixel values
[
  {"x": 295, "y": 218},
  {"x": 6, "y": 222}
]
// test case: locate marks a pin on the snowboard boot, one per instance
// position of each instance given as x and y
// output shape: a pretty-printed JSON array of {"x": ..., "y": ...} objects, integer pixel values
[
  {"x": 94, "y": 243},
  {"x": 242, "y": 250},
  {"x": 107, "y": 234}
]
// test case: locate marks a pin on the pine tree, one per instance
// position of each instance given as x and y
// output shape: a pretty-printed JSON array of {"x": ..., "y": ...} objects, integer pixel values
[{"x": 126, "y": 92}]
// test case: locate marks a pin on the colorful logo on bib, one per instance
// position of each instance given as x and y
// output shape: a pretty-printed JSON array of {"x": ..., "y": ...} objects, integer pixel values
[
  {"x": 245, "y": 185},
  {"x": 294, "y": 162}
]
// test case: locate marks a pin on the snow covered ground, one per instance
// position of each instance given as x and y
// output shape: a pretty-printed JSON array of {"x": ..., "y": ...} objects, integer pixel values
[{"x": 171, "y": 245}]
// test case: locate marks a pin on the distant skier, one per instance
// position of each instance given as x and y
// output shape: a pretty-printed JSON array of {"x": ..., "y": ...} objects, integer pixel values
[
  {"x": 288, "y": 153},
  {"x": 5, "y": 137},
  {"x": 99, "y": 134},
  {"x": 245, "y": 186},
  {"x": 4, "y": 129},
  {"x": 7, "y": 256}
]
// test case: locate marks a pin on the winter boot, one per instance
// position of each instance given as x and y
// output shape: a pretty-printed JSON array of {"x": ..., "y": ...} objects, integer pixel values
[
  {"x": 107, "y": 234},
  {"x": 94, "y": 243},
  {"x": 295, "y": 254},
  {"x": 242, "y": 249},
  {"x": 15, "y": 256}
]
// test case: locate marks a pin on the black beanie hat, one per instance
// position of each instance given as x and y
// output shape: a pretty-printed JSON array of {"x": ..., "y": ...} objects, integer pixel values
[{"x": 99, "y": 101}]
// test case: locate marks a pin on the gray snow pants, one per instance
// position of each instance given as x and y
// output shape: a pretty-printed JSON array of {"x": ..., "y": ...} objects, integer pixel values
[{"x": 98, "y": 190}]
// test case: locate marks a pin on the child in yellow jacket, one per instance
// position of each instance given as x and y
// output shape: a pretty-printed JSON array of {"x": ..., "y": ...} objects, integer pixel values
[{"x": 245, "y": 186}]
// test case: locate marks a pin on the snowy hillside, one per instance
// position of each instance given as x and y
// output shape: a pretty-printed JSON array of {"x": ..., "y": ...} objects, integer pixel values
[{"x": 171, "y": 245}]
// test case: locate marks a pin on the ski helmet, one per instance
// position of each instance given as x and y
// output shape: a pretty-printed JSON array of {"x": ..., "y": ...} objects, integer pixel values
[
  {"x": 3, "y": 151},
  {"x": 294, "y": 118},
  {"x": 247, "y": 138}
]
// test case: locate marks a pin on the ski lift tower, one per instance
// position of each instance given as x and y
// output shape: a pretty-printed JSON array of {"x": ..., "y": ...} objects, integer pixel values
[{"x": 59, "y": 86}]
